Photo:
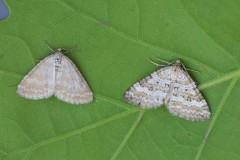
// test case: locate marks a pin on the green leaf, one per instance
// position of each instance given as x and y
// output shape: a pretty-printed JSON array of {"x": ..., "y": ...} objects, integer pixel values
[{"x": 114, "y": 40}]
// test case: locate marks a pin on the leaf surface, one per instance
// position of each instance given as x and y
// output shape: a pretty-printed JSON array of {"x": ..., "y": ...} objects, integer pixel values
[{"x": 114, "y": 41}]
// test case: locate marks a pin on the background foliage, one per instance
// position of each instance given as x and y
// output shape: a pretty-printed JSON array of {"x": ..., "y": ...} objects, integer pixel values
[{"x": 114, "y": 40}]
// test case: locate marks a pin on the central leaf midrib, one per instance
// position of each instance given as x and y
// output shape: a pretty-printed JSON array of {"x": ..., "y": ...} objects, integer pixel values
[{"x": 219, "y": 79}]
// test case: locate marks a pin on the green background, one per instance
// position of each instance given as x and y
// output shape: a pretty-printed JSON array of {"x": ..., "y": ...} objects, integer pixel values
[{"x": 114, "y": 40}]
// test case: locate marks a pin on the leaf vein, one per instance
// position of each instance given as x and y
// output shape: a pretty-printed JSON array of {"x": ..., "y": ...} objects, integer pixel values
[
  {"x": 128, "y": 135},
  {"x": 215, "y": 117},
  {"x": 220, "y": 79},
  {"x": 155, "y": 144},
  {"x": 17, "y": 124},
  {"x": 208, "y": 36},
  {"x": 74, "y": 132},
  {"x": 138, "y": 11},
  {"x": 139, "y": 41}
]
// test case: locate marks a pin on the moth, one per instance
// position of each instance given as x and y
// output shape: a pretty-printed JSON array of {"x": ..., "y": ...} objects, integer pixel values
[
  {"x": 56, "y": 75},
  {"x": 173, "y": 87}
]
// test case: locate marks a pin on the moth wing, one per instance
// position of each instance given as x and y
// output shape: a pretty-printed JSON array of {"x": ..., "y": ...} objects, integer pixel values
[
  {"x": 70, "y": 85},
  {"x": 151, "y": 91},
  {"x": 39, "y": 82},
  {"x": 185, "y": 100}
]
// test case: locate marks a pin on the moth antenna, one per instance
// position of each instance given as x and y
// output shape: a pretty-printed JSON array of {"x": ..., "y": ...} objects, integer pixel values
[
  {"x": 69, "y": 50},
  {"x": 193, "y": 70},
  {"x": 49, "y": 46},
  {"x": 163, "y": 60},
  {"x": 187, "y": 69},
  {"x": 155, "y": 63}
]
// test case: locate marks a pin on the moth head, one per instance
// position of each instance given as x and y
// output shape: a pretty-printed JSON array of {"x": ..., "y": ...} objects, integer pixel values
[
  {"x": 176, "y": 63},
  {"x": 63, "y": 51},
  {"x": 59, "y": 50}
]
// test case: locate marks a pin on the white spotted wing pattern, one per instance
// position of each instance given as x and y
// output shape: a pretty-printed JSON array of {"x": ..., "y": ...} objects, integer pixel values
[
  {"x": 172, "y": 86},
  {"x": 56, "y": 75}
]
